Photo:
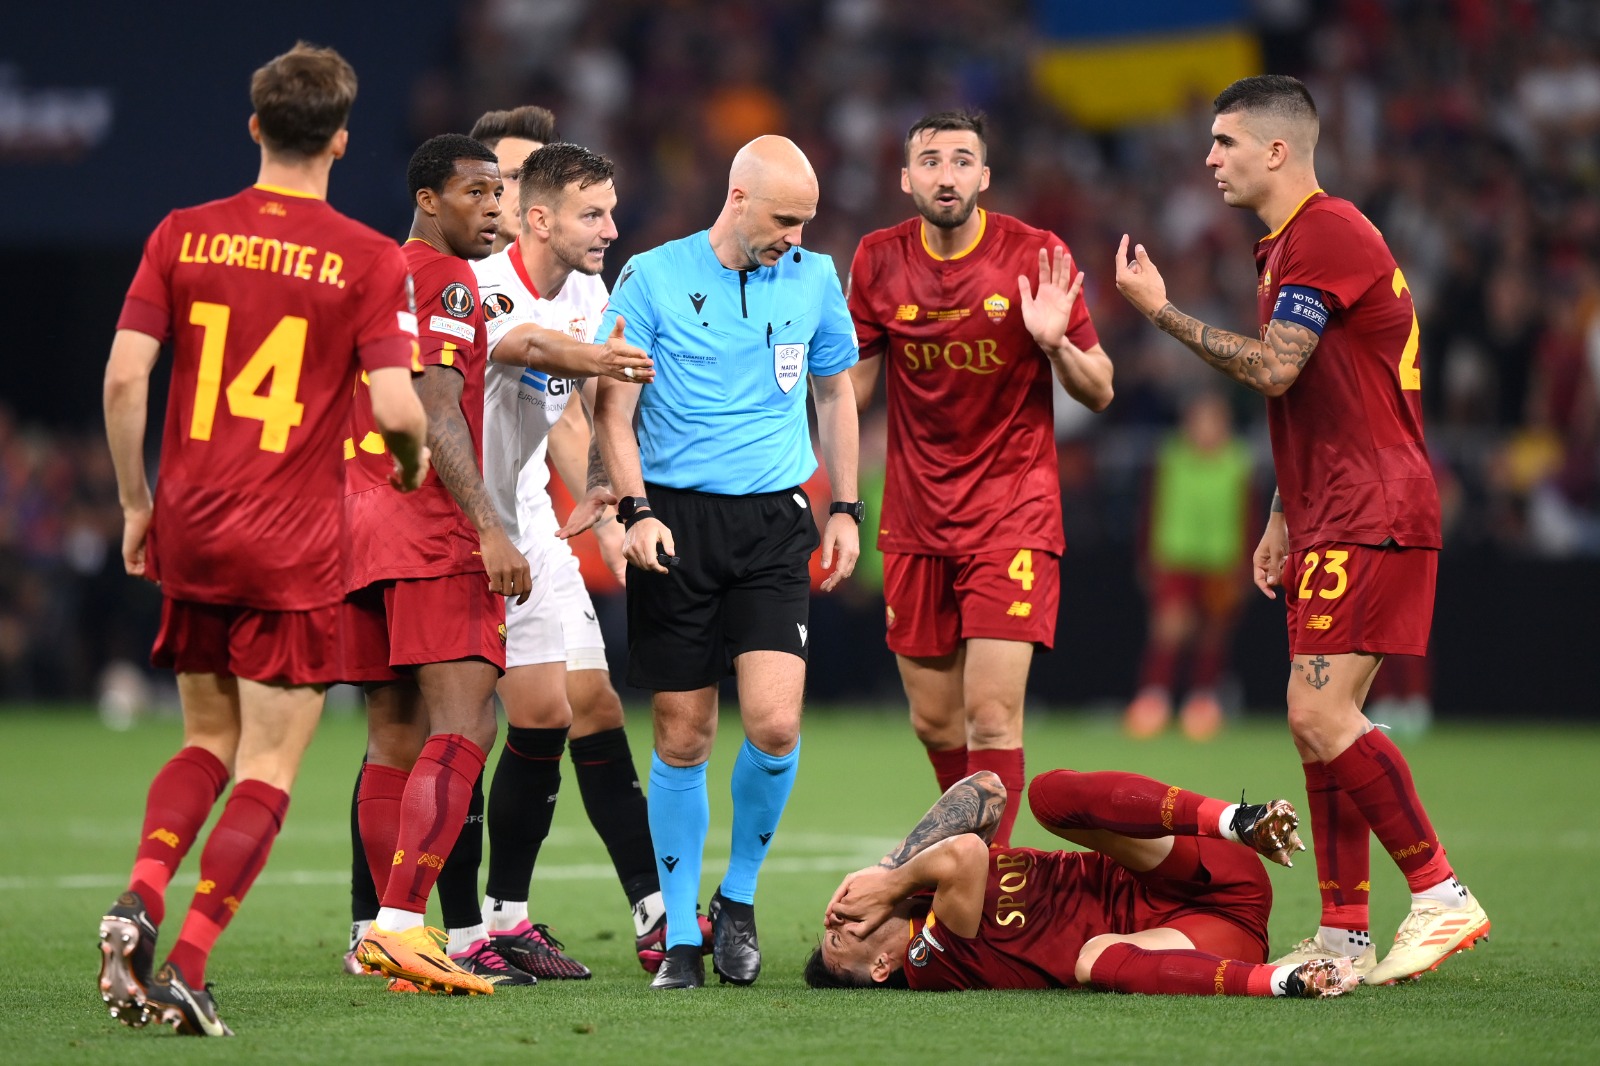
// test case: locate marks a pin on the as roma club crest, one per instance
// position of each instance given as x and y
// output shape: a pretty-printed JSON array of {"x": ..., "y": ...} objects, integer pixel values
[
  {"x": 788, "y": 361},
  {"x": 996, "y": 307}
]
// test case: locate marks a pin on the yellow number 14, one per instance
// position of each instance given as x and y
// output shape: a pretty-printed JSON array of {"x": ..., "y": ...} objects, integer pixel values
[{"x": 280, "y": 355}]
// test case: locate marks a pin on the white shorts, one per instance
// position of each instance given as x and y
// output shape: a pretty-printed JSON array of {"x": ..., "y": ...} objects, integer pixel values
[{"x": 558, "y": 622}]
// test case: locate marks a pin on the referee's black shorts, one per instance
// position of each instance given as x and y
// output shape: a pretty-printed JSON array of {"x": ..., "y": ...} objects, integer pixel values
[{"x": 742, "y": 584}]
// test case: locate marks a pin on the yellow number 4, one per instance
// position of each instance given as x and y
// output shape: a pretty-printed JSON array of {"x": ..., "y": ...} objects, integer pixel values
[
  {"x": 1410, "y": 375},
  {"x": 280, "y": 355},
  {"x": 1021, "y": 569}
]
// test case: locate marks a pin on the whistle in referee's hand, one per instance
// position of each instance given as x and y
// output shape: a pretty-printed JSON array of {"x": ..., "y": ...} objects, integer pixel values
[{"x": 668, "y": 561}]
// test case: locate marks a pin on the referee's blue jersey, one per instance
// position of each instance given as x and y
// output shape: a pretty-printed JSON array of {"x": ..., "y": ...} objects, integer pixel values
[{"x": 727, "y": 410}]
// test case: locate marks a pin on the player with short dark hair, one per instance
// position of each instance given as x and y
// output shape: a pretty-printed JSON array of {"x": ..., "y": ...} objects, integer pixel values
[
  {"x": 738, "y": 318},
  {"x": 513, "y": 135},
  {"x": 1356, "y": 514},
  {"x": 273, "y": 303},
  {"x": 971, "y": 527},
  {"x": 423, "y": 627},
  {"x": 1170, "y": 900}
]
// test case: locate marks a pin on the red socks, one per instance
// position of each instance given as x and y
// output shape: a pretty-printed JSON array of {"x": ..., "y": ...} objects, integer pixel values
[
  {"x": 1376, "y": 778},
  {"x": 378, "y": 815},
  {"x": 179, "y": 801},
  {"x": 1126, "y": 968},
  {"x": 1125, "y": 803},
  {"x": 948, "y": 766},
  {"x": 436, "y": 798},
  {"x": 1340, "y": 839},
  {"x": 1007, "y": 763},
  {"x": 234, "y": 854}
]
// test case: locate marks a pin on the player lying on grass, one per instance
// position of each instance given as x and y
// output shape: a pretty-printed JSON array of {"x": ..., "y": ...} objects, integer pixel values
[{"x": 1170, "y": 900}]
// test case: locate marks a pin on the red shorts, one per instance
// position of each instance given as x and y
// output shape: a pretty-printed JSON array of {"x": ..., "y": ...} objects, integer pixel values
[
  {"x": 1215, "y": 597},
  {"x": 936, "y": 601},
  {"x": 273, "y": 647},
  {"x": 1214, "y": 891},
  {"x": 1354, "y": 597},
  {"x": 395, "y": 624}
]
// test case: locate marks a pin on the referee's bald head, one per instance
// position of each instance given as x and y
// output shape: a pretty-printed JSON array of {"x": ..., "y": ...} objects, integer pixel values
[{"x": 772, "y": 167}]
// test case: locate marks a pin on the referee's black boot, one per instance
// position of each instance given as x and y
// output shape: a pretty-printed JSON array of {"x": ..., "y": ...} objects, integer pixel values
[
  {"x": 681, "y": 968},
  {"x": 735, "y": 955}
]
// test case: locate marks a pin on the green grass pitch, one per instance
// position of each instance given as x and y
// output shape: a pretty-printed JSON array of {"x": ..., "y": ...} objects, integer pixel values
[{"x": 1513, "y": 805}]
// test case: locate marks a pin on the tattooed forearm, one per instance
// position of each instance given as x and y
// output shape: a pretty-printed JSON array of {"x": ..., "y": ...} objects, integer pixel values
[
  {"x": 972, "y": 805},
  {"x": 1268, "y": 366},
  {"x": 450, "y": 440},
  {"x": 597, "y": 468}
]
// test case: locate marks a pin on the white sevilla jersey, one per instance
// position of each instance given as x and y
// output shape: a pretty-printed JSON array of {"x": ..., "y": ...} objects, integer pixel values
[{"x": 520, "y": 404}]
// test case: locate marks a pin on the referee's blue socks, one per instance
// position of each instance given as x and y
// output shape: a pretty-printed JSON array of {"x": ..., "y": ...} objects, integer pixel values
[
  {"x": 761, "y": 785},
  {"x": 680, "y": 813}
]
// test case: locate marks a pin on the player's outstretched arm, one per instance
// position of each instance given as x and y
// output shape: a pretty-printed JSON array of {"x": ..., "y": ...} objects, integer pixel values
[
  {"x": 839, "y": 438},
  {"x": 553, "y": 352},
  {"x": 575, "y": 454},
  {"x": 1084, "y": 372},
  {"x": 402, "y": 423},
  {"x": 1269, "y": 365},
  {"x": 127, "y": 402},
  {"x": 456, "y": 460}
]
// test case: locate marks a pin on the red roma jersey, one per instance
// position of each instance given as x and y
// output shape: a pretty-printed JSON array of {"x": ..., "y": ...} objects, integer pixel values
[
  {"x": 423, "y": 533},
  {"x": 972, "y": 447},
  {"x": 1347, "y": 436},
  {"x": 272, "y": 301},
  {"x": 1039, "y": 909}
]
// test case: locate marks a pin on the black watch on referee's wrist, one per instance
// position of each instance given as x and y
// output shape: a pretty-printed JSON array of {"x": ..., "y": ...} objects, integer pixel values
[
  {"x": 856, "y": 509},
  {"x": 632, "y": 508}
]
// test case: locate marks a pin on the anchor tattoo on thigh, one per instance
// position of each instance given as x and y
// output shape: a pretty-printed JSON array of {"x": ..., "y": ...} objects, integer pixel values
[{"x": 1318, "y": 678}]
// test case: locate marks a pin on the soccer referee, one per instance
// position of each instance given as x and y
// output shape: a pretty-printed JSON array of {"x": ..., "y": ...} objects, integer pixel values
[{"x": 708, "y": 460}]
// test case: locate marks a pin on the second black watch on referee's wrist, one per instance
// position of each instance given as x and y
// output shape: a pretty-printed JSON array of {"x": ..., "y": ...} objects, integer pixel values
[
  {"x": 632, "y": 508},
  {"x": 855, "y": 509}
]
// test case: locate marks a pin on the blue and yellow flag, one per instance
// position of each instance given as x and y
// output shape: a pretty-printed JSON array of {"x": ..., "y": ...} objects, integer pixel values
[{"x": 1110, "y": 64}]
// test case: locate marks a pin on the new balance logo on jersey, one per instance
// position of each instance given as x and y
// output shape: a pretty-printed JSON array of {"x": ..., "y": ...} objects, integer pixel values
[
  {"x": 1020, "y": 609},
  {"x": 698, "y": 300},
  {"x": 802, "y": 630},
  {"x": 670, "y": 862},
  {"x": 1320, "y": 621},
  {"x": 906, "y": 313},
  {"x": 764, "y": 837}
]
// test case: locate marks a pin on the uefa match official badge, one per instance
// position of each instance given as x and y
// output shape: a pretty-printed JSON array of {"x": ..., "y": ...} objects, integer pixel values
[
  {"x": 996, "y": 307},
  {"x": 787, "y": 362}
]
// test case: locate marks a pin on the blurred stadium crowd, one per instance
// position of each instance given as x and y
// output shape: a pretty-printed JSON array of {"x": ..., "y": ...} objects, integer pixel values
[{"x": 1468, "y": 130}]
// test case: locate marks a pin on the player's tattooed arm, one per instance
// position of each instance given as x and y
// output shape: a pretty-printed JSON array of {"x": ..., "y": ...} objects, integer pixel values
[
  {"x": 972, "y": 805},
  {"x": 1268, "y": 365},
  {"x": 456, "y": 460},
  {"x": 450, "y": 440}
]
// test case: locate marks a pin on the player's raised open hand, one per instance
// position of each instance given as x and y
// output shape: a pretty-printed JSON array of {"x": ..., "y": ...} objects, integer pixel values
[
  {"x": 1139, "y": 280},
  {"x": 841, "y": 548},
  {"x": 589, "y": 512},
  {"x": 1048, "y": 312},
  {"x": 618, "y": 359}
]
